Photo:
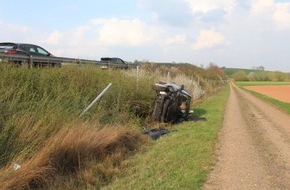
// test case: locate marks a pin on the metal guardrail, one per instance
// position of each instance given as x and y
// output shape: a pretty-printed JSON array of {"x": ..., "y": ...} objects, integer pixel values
[{"x": 39, "y": 60}]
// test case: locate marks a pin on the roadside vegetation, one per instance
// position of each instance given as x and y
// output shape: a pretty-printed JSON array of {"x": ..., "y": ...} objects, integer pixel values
[
  {"x": 182, "y": 159},
  {"x": 256, "y": 75},
  {"x": 282, "y": 105},
  {"x": 44, "y": 143}
]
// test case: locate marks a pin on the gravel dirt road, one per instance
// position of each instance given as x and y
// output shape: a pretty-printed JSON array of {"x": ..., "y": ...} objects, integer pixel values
[{"x": 253, "y": 151}]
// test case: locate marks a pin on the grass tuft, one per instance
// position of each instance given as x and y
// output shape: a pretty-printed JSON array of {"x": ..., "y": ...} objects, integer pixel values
[{"x": 71, "y": 152}]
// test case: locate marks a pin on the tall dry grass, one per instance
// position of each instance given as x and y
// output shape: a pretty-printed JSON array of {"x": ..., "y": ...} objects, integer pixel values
[
  {"x": 41, "y": 130},
  {"x": 75, "y": 152},
  {"x": 36, "y": 103}
]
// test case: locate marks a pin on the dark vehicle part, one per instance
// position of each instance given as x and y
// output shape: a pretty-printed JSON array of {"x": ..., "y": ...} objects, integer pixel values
[
  {"x": 172, "y": 103},
  {"x": 23, "y": 49},
  {"x": 154, "y": 134},
  {"x": 113, "y": 62}
]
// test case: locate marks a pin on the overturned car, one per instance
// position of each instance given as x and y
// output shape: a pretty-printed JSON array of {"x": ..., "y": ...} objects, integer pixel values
[{"x": 172, "y": 103}]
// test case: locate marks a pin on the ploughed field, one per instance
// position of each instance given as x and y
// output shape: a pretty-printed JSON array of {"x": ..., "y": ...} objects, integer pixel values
[{"x": 279, "y": 92}]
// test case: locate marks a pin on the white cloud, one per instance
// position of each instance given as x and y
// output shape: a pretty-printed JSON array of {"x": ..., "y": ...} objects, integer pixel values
[
  {"x": 98, "y": 21},
  {"x": 281, "y": 16},
  {"x": 127, "y": 32},
  {"x": 255, "y": 29},
  {"x": 176, "y": 40},
  {"x": 16, "y": 32},
  {"x": 262, "y": 6},
  {"x": 277, "y": 14},
  {"x": 208, "y": 39},
  {"x": 82, "y": 34},
  {"x": 54, "y": 38},
  {"x": 208, "y": 5}
]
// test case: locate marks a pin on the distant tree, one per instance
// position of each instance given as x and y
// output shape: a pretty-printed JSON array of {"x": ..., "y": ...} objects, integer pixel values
[
  {"x": 215, "y": 73},
  {"x": 240, "y": 76},
  {"x": 262, "y": 76},
  {"x": 276, "y": 76},
  {"x": 261, "y": 68},
  {"x": 280, "y": 76},
  {"x": 251, "y": 76}
]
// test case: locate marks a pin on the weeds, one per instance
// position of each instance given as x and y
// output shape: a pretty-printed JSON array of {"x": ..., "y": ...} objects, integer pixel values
[
  {"x": 41, "y": 130},
  {"x": 72, "y": 151}
]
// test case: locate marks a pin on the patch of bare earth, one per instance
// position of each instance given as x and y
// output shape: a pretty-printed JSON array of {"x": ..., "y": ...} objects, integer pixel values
[
  {"x": 277, "y": 92},
  {"x": 254, "y": 146}
]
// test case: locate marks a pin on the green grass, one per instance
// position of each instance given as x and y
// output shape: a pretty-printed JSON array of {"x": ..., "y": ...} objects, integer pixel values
[
  {"x": 39, "y": 105},
  {"x": 182, "y": 159},
  {"x": 279, "y": 104},
  {"x": 260, "y": 83},
  {"x": 36, "y": 103},
  {"x": 230, "y": 71}
]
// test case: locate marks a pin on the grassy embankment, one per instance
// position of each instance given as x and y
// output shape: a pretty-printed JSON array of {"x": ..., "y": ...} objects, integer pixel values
[
  {"x": 182, "y": 159},
  {"x": 282, "y": 105},
  {"x": 41, "y": 130},
  {"x": 40, "y": 127}
]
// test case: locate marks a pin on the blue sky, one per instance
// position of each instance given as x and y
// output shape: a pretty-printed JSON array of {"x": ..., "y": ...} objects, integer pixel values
[{"x": 230, "y": 33}]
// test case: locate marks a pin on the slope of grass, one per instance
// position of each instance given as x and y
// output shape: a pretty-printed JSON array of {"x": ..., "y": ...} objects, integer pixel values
[
  {"x": 41, "y": 128},
  {"x": 39, "y": 125},
  {"x": 36, "y": 103},
  {"x": 182, "y": 159}
]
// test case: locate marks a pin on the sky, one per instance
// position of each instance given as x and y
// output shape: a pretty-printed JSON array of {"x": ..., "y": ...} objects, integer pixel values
[{"x": 228, "y": 33}]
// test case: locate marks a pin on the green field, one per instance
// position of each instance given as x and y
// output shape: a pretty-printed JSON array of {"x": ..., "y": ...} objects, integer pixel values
[
  {"x": 260, "y": 83},
  {"x": 279, "y": 104},
  {"x": 230, "y": 71}
]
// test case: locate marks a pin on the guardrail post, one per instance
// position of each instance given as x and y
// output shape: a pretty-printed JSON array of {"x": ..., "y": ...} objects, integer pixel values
[
  {"x": 30, "y": 61},
  {"x": 137, "y": 78}
]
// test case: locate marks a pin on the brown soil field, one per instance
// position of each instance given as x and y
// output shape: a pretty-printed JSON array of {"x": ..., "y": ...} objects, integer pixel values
[{"x": 281, "y": 93}]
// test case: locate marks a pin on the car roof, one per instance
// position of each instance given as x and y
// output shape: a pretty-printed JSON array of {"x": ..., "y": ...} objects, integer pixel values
[
  {"x": 17, "y": 43},
  {"x": 110, "y": 58},
  {"x": 7, "y": 43}
]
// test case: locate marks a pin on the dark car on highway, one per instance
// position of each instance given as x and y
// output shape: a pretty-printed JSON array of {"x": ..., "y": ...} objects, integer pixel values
[
  {"x": 23, "y": 49},
  {"x": 113, "y": 62}
]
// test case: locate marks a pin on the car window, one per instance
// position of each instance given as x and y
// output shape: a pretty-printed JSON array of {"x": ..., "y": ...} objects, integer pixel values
[
  {"x": 29, "y": 48},
  {"x": 118, "y": 61},
  {"x": 23, "y": 47},
  {"x": 42, "y": 51},
  {"x": 6, "y": 46}
]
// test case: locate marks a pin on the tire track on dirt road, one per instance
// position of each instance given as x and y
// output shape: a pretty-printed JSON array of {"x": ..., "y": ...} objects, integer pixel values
[{"x": 254, "y": 146}]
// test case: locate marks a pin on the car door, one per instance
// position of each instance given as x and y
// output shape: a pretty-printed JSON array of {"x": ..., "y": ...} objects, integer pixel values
[
  {"x": 35, "y": 50},
  {"x": 29, "y": 49},
  {"x": 41, "y": 51}
]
